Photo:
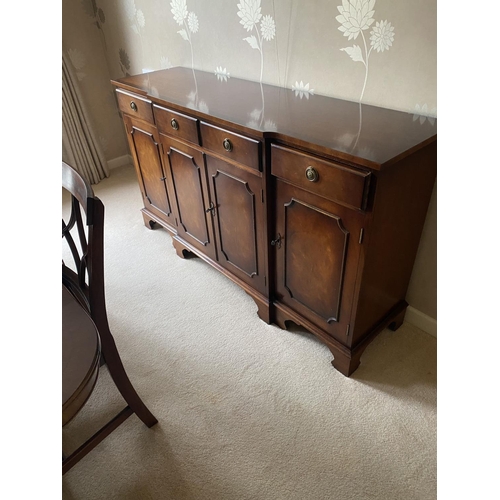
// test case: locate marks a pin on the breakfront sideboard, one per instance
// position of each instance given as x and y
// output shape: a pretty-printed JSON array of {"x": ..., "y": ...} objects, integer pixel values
[{"x": 313, "y": 205}]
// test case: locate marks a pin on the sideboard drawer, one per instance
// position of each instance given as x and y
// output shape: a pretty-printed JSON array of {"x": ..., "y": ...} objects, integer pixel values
[
  {"x": 233, "y": 146},
  {"x": 134, "y": 105},
  {"x": 176, "y": 124},
  {"x": 325, "y": 178}
]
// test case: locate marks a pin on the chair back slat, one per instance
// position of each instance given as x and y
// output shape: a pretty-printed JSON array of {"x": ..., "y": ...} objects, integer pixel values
[{"x": 87, "y": 252}]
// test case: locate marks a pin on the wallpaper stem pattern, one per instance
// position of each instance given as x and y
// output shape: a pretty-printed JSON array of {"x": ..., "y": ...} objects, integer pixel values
[
  {"x": 188, "y": 20},
  {"x": 355, "y": 17},
  {"x": 249, "y": 12}
]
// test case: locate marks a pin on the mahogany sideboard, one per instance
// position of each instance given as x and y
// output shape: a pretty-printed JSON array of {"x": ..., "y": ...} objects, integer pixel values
[{"x": 313, "y": 205}]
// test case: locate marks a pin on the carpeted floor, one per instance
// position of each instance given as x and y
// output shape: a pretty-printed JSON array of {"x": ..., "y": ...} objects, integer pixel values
[{"x": 246, "y": 410}]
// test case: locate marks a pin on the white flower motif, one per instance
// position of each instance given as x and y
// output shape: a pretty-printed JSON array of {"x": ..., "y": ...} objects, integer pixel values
[
  {"x": 202, "y": 106},
  {"x": 252, "y": 124},
  {"x": 422, "y": 113},
  {"x": 270, "y": 126},
  {"x": 179, "y": 10},
  {"x": 165, "y": 63},
  {"x": 255, "y": 114},
  {"x": 77, "y": 58},
  {"x": 140, "y": 19},
  {"x": 268, "y": 28},
  {"x": 355, "y": 15},
  {"x": 302, "y": 90},
  {"x": 382, "y": 36},
  {"x": 130, "y": 10},
  {"x": 249, "y": 13},
  {"x": 193, "y": 22},
  {"x": 222, "y": 74}
]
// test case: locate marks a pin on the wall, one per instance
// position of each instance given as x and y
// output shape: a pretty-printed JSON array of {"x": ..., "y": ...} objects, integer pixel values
[{"x": 314, "y": 44}]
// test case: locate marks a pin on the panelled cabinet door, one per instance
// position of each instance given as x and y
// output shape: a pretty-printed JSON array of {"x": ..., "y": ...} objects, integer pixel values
[
  {"x": 237, "y": 198},
  {"x": 186, "y": 169},
  {"x": 145, "y": 148},
  {"x": 317, "y": 245}
]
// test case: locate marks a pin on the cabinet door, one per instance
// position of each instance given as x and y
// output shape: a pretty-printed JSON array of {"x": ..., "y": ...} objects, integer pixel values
[
  {"x": 239, "y": 221},
  {"x": 144, "y": 145},
  {"x": 317, "y": 253},
  {"x": 186, "y": 168}
]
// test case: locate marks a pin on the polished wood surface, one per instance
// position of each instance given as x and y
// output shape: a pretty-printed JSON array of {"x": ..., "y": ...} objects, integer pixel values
[
  {"x": 135, "y": 106},
  {"x": 239, "y": 220},
  {"x": 313, "y": 205},
  {"x": 81, "y": 349},
  {"x": 359, "y": 133},
  {"x": 240, "y": 149},
  {"x": 144, "y": 144},
  {"x": 336, "y": 182},
  {"x": 188, "y": 176},
  {"x": 394, "y": 226},
  {"x": 317, "y": 258},
  {"x": 177, "y": 125}
]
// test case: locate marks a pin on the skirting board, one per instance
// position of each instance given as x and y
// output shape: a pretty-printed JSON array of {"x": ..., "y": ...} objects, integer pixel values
[
  {"x": 119, "y": 162},
  {"x": 421, "y": 320}
]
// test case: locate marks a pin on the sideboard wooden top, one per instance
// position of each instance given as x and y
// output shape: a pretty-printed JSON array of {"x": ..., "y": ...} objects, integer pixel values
[{"x": 358, "y": 133}]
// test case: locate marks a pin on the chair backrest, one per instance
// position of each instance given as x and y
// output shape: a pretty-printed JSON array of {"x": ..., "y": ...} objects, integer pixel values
[{"x": 86, "y": 243}]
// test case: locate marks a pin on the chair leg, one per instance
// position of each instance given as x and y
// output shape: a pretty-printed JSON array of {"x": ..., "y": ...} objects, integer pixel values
[{"x": 121, "y": 380}]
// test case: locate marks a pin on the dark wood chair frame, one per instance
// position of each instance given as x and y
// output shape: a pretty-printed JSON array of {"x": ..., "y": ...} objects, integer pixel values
[{"x": 87, "y": 286}]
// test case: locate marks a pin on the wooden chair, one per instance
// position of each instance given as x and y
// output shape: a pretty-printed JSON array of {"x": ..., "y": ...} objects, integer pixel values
[{"x": 86, "y": 285}]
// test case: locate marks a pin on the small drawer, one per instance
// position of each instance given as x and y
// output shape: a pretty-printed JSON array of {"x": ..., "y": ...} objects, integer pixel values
[
  {"x": 176, "y": 124},
  {"x": 134, "y": 105},
  {"x": 324, "y": 178},
  {"x": 233, "y": 146}
]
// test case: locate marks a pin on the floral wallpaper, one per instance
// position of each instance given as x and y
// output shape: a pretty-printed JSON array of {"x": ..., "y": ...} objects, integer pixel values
[{"x": 380, "y": 52}]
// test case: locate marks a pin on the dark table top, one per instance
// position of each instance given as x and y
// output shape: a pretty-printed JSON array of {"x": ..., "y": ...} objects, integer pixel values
[{"x": 363, "y": 134}]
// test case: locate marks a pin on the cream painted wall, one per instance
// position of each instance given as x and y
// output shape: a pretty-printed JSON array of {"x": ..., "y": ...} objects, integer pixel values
[{"x": 303, "y": 42}]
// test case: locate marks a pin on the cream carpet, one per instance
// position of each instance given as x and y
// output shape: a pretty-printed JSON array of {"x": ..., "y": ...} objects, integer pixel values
[{"x": 246, "y": 411}]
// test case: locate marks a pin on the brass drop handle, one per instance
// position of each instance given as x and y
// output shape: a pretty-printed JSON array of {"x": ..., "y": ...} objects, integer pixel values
[
  {"x": 210, "y": 209},
  {"x": 174, "y": 124},
  {"x": 277, "y": 241},
  {"x": 227, "y": 145},
  {"x": 312, "y": 174},
  {"x": 133, "y": 105}
]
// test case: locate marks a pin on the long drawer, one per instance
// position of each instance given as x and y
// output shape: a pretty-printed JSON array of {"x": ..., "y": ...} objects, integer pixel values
[{"x": 328, "y": 179}]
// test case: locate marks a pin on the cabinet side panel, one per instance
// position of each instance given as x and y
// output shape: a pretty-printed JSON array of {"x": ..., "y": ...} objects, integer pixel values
[{"x": 401, "y": 201}]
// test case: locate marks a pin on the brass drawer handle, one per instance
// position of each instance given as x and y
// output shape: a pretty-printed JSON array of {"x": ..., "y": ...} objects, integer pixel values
[
  {"x": 312, "y": 174},
  {"x": 174, "y": 124},
  {"x": 227, "y": 145},
  {"x": 133, "y": 105}
]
